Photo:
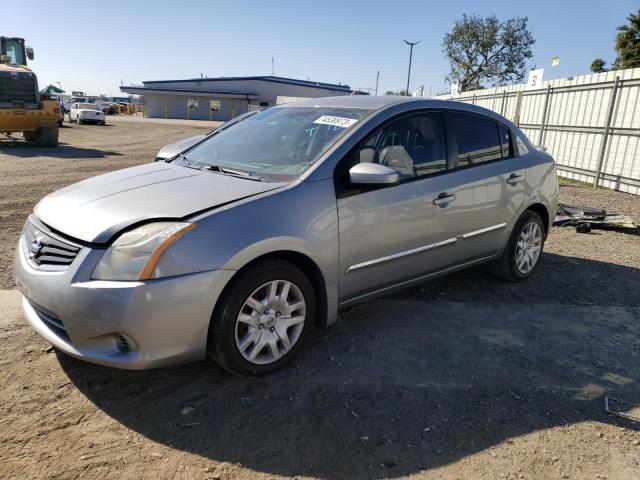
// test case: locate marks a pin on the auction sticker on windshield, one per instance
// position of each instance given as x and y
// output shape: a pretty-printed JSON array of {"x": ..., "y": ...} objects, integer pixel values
[{"x": 335, "y": 121}]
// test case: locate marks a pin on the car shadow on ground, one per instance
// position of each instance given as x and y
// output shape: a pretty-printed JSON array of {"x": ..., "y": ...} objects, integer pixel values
[
  {"x": 559, "y": 280},
  {"x": 398, "y": 387},
  {"x": 22, "y": 149}
]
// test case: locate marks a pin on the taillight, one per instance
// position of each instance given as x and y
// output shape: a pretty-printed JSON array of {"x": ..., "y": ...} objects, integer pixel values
[{"x": 56, "y": 110}]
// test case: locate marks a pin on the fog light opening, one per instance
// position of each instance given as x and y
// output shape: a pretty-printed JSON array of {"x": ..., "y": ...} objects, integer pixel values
[{"x": 125, "y": 344}]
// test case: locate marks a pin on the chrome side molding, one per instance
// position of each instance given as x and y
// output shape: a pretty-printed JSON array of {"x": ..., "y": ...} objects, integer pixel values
[{"x": 424, "y": 248}]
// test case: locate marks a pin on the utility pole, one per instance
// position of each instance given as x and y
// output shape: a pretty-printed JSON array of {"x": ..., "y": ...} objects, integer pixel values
[
  {"x": 273, "y": 65},
  {"x": 377, "y": 78},
  {"x": 411, "y": 44}
]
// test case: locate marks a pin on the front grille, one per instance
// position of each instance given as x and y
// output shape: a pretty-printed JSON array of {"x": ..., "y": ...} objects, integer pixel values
[
  {"x": 18, "y": 87},
  {"x": 44, "y": 250},
  {"x": 54, "y": 323}
]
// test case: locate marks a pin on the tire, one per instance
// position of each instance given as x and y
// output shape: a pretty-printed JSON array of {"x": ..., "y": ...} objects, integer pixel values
[
  {"x": 507, "y": 267},
  {"x": 29, "y": 136},
  {"x": 60, "y": 122},
  {"x": 43, "y": 137},
  {"x": 227, "y": 332}
]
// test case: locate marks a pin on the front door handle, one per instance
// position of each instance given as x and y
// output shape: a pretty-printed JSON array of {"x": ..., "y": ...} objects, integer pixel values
[
  {"x": 514, "y": 178},
  {"x": 443, "y": 199}
]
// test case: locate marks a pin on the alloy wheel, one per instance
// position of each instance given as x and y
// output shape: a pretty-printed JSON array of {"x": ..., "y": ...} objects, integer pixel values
[
  {"x": 270, "y": 322},
  {"x": 528, "y": 247}
]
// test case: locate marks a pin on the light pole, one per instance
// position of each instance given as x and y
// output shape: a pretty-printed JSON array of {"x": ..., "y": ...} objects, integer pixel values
[
  {"x": 377, "y": 78},
  {"x": 411, "y": 44}
]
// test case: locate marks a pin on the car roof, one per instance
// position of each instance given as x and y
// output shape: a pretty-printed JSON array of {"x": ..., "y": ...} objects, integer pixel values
[
  {"x": 369, "y": 102},
  {"x": 380, "y": 102}
]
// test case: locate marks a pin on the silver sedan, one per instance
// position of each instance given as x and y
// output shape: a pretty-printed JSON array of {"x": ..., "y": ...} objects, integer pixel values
[{"x": 238, "y": 246}]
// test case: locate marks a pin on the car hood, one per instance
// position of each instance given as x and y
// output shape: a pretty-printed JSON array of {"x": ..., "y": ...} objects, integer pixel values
[
  {"x": 96, "y": 209},
  {"x": 173, "y": 149}
]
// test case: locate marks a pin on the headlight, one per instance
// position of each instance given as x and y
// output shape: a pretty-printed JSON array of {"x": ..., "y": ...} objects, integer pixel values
[{"x": 135, "y": 254}]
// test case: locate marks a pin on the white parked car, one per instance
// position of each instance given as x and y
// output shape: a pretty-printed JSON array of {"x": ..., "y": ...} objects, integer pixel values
[{"x": 86, "y": 113}]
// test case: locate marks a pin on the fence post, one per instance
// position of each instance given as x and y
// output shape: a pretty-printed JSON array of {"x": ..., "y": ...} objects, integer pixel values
[
  {"x": 516, "y": 114},
  {"x": 605, "y": 133},
  {"x": 544, "y": 115}
]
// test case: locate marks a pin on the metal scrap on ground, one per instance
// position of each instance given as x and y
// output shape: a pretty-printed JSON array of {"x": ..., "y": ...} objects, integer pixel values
[
  {"x": 586, "y": 218},
  {"x": 607, "y": 407}
]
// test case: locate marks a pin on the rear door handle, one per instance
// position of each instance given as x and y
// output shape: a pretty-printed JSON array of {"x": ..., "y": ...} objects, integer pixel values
[
  {"x": 514, "y": 178},
  {"x": 443, "y": 199}
]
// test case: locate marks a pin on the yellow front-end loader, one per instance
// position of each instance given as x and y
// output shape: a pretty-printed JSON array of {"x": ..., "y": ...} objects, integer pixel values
[{"x": 22, "y": 108}]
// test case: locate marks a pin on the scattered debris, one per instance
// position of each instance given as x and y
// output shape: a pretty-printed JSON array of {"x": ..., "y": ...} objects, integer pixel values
[
  {"x": 608, "y": 404},
  {"x": 583, "y": 228},
  {"x": 187, "y": 410},
  {"x": 586, "y": 218},
  {"x": 48, "y": 349}
]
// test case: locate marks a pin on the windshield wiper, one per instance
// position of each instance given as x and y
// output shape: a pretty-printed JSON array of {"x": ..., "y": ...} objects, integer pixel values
[{"x": 233, "y": 172}]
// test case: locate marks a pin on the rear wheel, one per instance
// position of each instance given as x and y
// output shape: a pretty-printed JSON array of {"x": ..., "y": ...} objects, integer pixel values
[
  {"x": 262, "y": 319},
  {"x": 43, "y": 137},
  {"x": 522, "y": 254}
]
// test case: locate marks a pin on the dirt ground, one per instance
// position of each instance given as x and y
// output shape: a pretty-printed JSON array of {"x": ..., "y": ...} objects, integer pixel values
[{"x": 463, "y": 377}]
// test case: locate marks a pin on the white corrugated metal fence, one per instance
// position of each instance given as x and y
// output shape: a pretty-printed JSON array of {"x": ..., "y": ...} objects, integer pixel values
[{"x": 590, "y": 124}]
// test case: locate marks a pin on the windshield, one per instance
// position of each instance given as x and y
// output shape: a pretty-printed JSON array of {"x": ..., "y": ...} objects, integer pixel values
[
  {"x": 280, "y": 142},
  {"x": 15, "y": 50},
  {"x": 87, "y": 106}
]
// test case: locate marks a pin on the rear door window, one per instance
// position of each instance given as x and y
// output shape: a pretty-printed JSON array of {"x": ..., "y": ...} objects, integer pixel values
[{"x": 477, "y": 139}]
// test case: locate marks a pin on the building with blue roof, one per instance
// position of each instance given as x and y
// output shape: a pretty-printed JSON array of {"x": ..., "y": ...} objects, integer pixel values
[{"x": 223, "y": 98}]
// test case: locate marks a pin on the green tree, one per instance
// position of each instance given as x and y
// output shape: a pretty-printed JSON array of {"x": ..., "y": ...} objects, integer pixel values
[
  {"x": 628, "y": 43},
  {"x": 598, "y": 66},
  {"x": 486, "y": 50},
  {"x": 402, "y": 93}
]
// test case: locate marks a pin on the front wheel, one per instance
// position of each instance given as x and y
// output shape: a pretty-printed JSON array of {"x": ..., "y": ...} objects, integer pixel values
[
  {"x": 262, "y": 319},
  {"x": 43, "y": 137},
  {"x": 522, "y": 254}
]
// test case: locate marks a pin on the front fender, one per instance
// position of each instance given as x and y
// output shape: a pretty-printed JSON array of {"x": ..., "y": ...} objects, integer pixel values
[{"x": 302, "y": 218}]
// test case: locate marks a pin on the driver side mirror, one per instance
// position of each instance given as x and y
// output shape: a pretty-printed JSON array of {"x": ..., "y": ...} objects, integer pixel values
[
  {"x": 373, "y": 175},
  {"x": 30, "y": 54}
]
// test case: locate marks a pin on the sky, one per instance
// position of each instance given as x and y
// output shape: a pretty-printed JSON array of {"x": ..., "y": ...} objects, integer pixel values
[{"x": 94, "y": 46}]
